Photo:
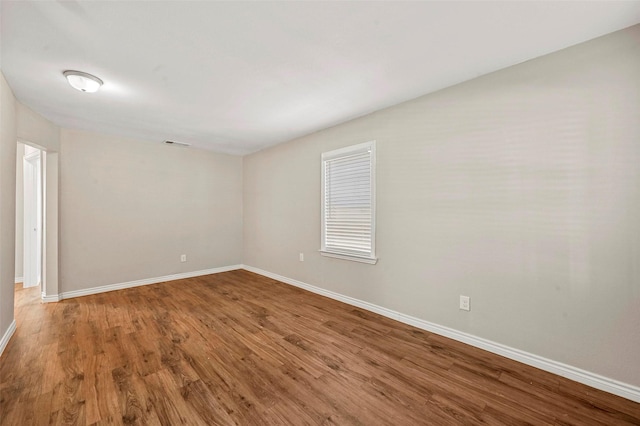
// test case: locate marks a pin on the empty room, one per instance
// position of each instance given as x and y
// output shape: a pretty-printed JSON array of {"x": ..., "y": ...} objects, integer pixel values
[{"x": 319, "y": 213}]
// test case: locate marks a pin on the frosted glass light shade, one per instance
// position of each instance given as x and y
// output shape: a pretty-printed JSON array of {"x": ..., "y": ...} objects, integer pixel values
[{"x": 83, "y": 81}]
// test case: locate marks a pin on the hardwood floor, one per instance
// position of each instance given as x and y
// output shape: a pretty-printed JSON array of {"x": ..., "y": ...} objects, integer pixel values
[{"x": 239, "y": 348}]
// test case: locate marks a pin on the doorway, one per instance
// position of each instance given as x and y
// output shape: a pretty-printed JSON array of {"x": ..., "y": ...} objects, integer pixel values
[{"x": 37, "y": 219}]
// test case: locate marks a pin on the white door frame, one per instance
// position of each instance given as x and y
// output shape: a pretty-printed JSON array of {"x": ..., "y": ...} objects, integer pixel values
[
  {"x": 32, "y": 219},
  {"x": 50, "y": 177}
]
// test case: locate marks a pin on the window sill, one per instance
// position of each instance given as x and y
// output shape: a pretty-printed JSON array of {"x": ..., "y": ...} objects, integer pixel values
[{"x": 369, "y": 260}]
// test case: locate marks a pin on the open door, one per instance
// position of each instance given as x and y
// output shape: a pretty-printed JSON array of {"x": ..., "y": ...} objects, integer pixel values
[{"x": 32, "y": 217}]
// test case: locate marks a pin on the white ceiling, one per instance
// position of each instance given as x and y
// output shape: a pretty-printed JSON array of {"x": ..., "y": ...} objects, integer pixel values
[{"x": 237, "y": 77}]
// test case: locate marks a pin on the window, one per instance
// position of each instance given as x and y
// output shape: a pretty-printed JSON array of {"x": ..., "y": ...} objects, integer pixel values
[{"x": 348, "y": 203}]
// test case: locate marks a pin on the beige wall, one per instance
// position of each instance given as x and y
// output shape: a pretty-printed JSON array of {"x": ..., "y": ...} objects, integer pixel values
[
  {"x": 129, "y": 209},
  {"x": 37, "y": 130},
  {"x": 518, "y": 189},
  {"x": 19, "y": 211},
  {"x": 7, "y": 203}
]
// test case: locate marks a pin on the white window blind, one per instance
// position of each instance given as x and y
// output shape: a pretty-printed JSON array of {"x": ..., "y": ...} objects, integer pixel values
[{"x": 348, "y": 203}]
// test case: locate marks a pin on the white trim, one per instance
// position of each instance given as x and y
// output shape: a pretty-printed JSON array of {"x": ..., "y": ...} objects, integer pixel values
[
  {"x": 349, "y": 150},
  {"x": 146, "y": 281},
  {"x": 50, "y": 298},
  {"x": 18, "y": 280},
  {"x": 369, "y": 260},
  {"x": 597, "y": 381},
  {"x": 7, "y": 336}
]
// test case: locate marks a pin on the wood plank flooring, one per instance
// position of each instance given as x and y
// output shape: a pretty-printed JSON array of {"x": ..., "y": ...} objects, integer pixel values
[{"x": 239, "y": 348}]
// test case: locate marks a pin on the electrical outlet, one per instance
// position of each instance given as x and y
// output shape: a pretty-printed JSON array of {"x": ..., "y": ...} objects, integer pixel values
[
  {"x": 183, "y": 258},
  {"x": 465, "y": 303},
  {"x": 301, "y": 257}
]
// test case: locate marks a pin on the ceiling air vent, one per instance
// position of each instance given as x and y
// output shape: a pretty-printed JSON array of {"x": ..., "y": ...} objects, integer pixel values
[{"x": 176, "y": 143}]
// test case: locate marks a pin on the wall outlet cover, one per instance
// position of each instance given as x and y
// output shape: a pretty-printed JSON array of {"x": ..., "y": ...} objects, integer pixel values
[{"x": 465, "y": 303}]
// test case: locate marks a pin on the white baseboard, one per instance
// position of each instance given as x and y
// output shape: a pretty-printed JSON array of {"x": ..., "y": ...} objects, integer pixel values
[
  {"x": 146, "y": 281},
  {"x": 18, "y": 280},
  {"x": 590, "y": 379},
  {"x": 7, "y": 336},
  {"x": 50, "y": 298}
]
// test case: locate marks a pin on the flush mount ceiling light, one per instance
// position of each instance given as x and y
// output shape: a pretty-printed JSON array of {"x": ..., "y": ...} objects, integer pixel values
[{"x": 82, "y": 81}]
